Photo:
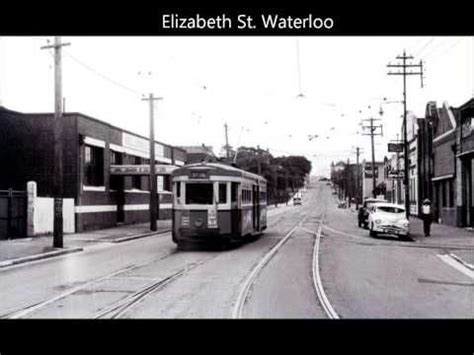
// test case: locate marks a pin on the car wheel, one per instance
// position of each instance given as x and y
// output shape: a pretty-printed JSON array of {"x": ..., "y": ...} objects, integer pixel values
[{"x": 372, "y": 233}]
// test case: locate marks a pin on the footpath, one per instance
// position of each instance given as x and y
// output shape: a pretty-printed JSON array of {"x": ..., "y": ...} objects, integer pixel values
[
  {"x": 23, "y": 250},
  {"x": 458, "y": 241}
]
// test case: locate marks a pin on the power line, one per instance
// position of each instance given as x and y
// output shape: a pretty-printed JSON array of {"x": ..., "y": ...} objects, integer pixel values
[
  {"x": 419, "y": 51},
  {"x": 439, "y": 55},
  {"x": 434, "y": 49},
  {"x": 105, "y": 77}
]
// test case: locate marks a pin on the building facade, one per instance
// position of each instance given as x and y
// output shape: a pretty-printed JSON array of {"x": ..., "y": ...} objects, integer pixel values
[
  {"x": 367, "y": 179},
  {"x": 444, "y": 164},
  {"x": 105, "y": 167},
  {"x": 465, "y": 164}
]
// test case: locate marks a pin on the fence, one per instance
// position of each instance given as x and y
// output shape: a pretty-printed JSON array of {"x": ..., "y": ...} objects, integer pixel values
[{"x": 13, "y": 214}]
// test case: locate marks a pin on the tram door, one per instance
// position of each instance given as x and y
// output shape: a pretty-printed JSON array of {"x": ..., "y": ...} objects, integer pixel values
[
  {"x": 256, "y": 207},
  {"x": 234, "y": 210}
]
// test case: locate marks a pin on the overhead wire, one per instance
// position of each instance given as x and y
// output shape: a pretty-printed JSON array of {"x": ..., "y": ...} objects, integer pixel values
[{"x": 103, "y": 76}]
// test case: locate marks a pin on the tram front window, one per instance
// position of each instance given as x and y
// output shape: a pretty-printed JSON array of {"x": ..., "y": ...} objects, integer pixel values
[{"x": 199, "y": 193}]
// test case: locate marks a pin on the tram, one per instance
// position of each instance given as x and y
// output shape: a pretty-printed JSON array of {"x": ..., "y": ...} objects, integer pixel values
[{"x": 214, "y": 202}]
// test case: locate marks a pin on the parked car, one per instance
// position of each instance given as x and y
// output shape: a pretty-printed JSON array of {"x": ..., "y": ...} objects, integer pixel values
[
  {"x": 363, "y": 213},
  {"x": 297, "y": 201},
  {"x": 342, "y": 204},
  {"x": 388, "y": 218}
]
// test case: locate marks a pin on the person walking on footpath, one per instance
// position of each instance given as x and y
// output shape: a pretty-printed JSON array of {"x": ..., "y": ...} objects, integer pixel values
[{"x": 426, "y": 212}]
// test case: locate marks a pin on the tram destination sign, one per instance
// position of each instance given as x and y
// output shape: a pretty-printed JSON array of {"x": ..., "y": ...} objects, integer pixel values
[
  {"x": 199, "y": 175},
  {"x": 395, "y": 147}
]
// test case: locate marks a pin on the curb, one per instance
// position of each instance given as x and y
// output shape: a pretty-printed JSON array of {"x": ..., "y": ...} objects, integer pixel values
[
  {"x": 27, "y": 259},
  {"x": 138, "y": 236}
]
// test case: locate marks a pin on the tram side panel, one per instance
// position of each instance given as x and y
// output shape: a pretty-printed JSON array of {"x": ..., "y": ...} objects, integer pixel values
[{"x": 247, "y": 219}]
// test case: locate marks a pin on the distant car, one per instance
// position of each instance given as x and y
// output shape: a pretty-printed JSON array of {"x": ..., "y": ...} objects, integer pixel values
[
  {"x": 342, "y": 204},
  {"x": 388, "y": 218},
  {"x": 297, "y": 201},
  {"x": 363, "y": 214}
]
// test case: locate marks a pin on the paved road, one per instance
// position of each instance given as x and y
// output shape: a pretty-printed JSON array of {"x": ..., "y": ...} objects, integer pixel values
[{"x": 148, "y": 278}]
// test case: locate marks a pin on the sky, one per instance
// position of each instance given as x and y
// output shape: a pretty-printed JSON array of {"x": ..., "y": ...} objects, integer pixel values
[{"x": 250, "y": 83}]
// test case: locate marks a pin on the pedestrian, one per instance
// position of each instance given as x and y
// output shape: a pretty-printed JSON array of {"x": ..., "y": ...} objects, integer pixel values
[{"x": 426, "y": 214}]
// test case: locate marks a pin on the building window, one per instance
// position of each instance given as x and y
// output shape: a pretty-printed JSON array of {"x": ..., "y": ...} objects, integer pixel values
[
  {"x": 167, "y": 182},
  {"x": 115, "y": 158},
  {"x": 93, "y": 166},
  {"x": 137, "y": 179},
  {"x": 451, "y": 192},
  {"x": 444, "y": 200},
  {"x": 222, "y": 192}
]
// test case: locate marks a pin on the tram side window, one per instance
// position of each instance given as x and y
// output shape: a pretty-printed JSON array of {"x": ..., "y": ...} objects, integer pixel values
[
  {"x": 199, "y": 194},
  {"x": 234, "y": 192},
  {"x": 178, "y": 191},
  {"x": 222, "y": 192}
]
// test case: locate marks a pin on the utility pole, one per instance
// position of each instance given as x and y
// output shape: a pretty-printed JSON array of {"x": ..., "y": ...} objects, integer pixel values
[
  {"x": 358, "y": 194},
  {"x": 275, "y": 181},
  {"x": 154, "y": 199},
  {"x": 399, "y": 188},
  {"x": 404, "y": 73},
  {"x": 259, "y": 164},
  {"x": 373, "y": 132},
  {"x": 226, "y": 141},
  {"x": 58, "y": 144}
]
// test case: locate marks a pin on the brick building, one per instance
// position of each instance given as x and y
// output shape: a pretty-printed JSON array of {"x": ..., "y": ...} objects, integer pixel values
[
  {"x": 105, "y": 167},
  {"x": 367, "y": 179},
  {"x": 465, "y": 163},
  {"x": 444, "y": 163}
]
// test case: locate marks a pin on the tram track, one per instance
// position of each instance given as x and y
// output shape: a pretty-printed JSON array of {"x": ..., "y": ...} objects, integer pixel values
[
  {"x": 317, "y": 281},
  {"x": 121, "y": 307},
  {"x": 245, "y": 291},
  {"x": 34, "y": 307},
  {"x": 238, "y": 309}
]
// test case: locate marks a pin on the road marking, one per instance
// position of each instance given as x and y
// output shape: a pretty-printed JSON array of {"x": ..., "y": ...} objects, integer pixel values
[
  {"x": 448, "y": 259},
  {"x": 238, "y": 309},
  {"x": 318, "y": 285},
  {"x": 466, "y": 264}
]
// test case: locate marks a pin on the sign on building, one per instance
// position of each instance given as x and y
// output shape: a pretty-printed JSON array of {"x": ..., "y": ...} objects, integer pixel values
[
  {"x": 395, "y": 147},
  {"x": 368, "y": 172}
]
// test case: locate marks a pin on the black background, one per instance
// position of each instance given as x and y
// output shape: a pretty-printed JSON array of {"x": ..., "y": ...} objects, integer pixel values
[
  {"x": 227, "y": 336},
  {"x": 140, "y": 18}
]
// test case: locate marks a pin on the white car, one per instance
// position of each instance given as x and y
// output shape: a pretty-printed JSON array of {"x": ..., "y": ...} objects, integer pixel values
[{"x": 388, "y": 218}]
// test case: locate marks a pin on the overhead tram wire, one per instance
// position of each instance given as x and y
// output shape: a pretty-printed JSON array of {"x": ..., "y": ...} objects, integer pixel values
[
  {"x": 418, "y": 52},
  {"x": 298, "y": 66},
  {"x": 436, "y": 48},
  {"x": 103, "y": 76}
]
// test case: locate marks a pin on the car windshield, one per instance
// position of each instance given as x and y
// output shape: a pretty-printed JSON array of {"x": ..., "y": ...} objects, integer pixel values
[
  {"x": 390, "y": 209},
  {"x": 371, "y": 204}
]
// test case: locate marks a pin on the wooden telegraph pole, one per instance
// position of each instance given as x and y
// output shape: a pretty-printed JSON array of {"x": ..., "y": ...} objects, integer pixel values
[
  {"x": 58, "y": 144},
  {"x": 154, "y": 199},
  {"x": 373, "y": 132},
  {"x": 404, "y": 73}
]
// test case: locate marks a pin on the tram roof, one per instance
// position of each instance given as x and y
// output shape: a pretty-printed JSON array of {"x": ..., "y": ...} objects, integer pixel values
[{"x": 217, "y": 169}]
